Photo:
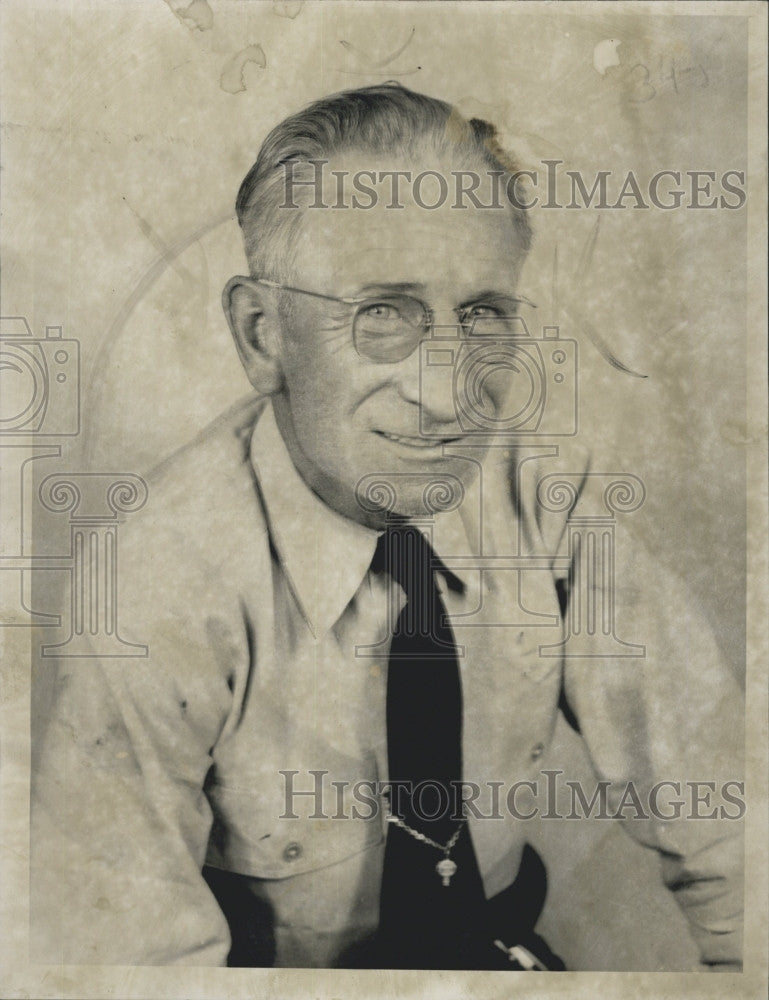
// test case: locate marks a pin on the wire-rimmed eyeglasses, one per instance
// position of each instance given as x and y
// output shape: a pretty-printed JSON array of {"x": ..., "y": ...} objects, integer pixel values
[{"x": 388, "y": 327}]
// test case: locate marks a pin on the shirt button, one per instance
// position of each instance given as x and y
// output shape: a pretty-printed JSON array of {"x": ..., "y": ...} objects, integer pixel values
[
  {"x": 292, "y": 851},
  {"x": 537, "y": 750}
]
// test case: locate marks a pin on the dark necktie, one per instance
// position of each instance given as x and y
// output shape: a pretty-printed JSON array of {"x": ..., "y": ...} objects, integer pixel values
[{"x": 429, "y": 917}]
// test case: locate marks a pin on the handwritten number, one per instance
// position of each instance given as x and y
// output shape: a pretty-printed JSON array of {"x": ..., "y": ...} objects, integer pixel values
[{"x": 642, "y": 87}]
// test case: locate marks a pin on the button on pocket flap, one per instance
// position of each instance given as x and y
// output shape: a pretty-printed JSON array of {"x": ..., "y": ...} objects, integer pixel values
[{"x": 254, "y": 839}]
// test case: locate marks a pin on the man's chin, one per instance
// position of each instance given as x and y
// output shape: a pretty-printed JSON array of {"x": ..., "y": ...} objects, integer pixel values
[{"x": 408, "y": 495}]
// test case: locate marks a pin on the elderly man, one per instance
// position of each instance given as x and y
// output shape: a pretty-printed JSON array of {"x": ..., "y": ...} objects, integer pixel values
[{"x": 352, "y": 590}]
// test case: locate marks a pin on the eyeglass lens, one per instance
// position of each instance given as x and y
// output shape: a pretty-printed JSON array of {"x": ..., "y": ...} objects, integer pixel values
[{"x": 389, "y": 329}]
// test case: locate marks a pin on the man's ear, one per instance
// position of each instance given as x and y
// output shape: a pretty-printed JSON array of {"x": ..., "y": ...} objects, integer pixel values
[{"x": 253, "y": 323}]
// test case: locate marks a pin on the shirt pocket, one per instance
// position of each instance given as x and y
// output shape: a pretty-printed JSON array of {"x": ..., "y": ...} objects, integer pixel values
[
  {"x": 288, "y": 836},
  {"x": 535, "y": 653},
  {"x": 535, "y": 643}
]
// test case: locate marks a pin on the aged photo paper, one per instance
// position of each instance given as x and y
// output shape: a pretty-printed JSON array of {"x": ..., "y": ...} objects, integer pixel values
[{"x": 383, "y": 470}]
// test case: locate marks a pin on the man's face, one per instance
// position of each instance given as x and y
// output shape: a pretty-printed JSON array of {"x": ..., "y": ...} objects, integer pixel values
[{"x": 345, "y": 416}]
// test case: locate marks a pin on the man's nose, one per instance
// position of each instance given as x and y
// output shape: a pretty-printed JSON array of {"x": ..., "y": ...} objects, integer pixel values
[{"x": 426, "y": 376}]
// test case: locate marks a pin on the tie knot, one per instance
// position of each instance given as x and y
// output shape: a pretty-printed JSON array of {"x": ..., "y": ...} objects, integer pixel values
[{"x": 403, "y": 552}]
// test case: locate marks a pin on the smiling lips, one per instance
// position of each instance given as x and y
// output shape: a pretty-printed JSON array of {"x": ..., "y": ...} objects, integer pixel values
[{"x": 418, "y": 442}]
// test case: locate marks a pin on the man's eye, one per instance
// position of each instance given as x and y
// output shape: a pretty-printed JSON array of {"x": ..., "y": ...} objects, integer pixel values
[
  {"x": 485, "y": 320},
  {"x": 483, "y": 311},
  {"x": 381, "y": 312}
]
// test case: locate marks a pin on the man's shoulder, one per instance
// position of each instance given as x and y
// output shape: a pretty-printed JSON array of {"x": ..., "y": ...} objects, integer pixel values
[
  {"x": 218, "y": 453},
  {"x": 203, "y": 497},
  {"x": 546, "y": 484}
]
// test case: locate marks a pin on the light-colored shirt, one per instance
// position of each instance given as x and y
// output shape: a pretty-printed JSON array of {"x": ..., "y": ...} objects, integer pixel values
[{"x": 268, "y": 638}]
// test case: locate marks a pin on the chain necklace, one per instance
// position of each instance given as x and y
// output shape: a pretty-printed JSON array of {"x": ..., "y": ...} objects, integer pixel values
[{"x": 445, "y": 867}]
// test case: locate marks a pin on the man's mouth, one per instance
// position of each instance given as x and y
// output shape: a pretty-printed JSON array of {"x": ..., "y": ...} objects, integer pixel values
[{"x": 419, "y": 442}]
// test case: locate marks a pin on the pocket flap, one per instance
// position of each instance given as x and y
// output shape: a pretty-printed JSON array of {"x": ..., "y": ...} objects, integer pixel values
[{"x": 268, "y": 843}]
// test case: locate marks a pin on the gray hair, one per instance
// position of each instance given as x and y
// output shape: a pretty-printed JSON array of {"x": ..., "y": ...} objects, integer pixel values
[{"x": 384, "y": 117}]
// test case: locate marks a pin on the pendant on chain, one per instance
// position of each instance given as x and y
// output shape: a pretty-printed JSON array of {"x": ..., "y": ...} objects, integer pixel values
[{"x": 446, "y": 868}]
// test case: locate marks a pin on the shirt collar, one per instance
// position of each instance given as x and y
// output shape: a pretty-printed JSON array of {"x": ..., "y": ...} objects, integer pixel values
[
  {"x": 455, "y": 533},
  {"x": 325, "y": 555}
]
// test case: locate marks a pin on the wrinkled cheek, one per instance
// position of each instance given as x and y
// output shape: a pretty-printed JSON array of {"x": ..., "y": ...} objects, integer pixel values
[
  {"x": 316, "y": 428},
  {"x": 482, "y": 394},
  {"x": 514, "y": 393},
  {"x": 501, "y": 384}
]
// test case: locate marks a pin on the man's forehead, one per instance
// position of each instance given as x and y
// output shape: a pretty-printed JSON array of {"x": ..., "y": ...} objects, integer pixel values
[{"x": 350, "y": 241}]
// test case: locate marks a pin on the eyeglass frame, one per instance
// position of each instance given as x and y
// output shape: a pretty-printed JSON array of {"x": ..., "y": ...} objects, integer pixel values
[{"x": 429, "y": 320}]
